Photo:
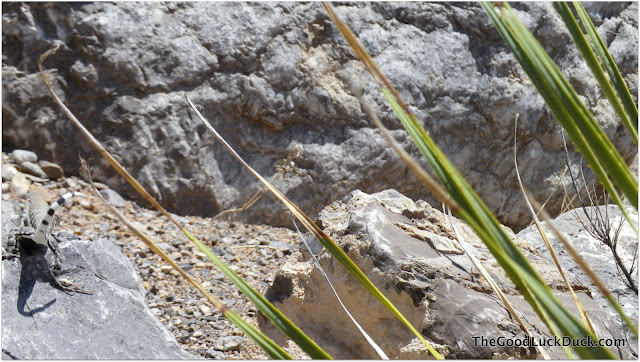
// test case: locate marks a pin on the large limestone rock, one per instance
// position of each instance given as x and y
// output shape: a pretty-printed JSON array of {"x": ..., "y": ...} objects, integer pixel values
[
  {"x": 272, "y": 75},
  {"x": 409, "y": 251}
]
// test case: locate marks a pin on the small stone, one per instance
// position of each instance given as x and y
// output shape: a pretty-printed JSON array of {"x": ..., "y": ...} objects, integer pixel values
[
  {"x": 8, "y": 171},
  {"x": 229, "y": 343},
  {"x": 21, "y": 156},
  {"x": 19, "y": 185},
  {"x": 5, "y": 187},
  {"x": 85, "y": 204},
  {"x": 113, "y": 198},
  {"x": 52, "y": 170},
  {"x": 205, "y": 310},
  {"x": 212, "y": 353},
  {"x": 155, "y": 311},
  {"x": 197, "y": 334},
  {"x": 71, "y": 183},
  {"x": 32, "y": 169}
]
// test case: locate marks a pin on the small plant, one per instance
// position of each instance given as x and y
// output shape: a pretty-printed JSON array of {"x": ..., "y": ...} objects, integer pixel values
[{"x": 598, "y": 223}]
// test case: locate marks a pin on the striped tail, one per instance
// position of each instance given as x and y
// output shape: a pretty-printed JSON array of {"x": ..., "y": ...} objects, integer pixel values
[{"x": 46, "y": 225}]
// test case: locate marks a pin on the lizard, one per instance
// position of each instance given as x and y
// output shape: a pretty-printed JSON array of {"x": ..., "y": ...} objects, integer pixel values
[{"x": 40, "y": 222}]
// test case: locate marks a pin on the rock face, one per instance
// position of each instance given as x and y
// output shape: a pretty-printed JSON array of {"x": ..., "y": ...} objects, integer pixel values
[
  {"x": 272, "y": 75},
  {"x": 42, "y": 322},
  {"x": 597, "y": 255},
  {"x": 409, "y": 251}
]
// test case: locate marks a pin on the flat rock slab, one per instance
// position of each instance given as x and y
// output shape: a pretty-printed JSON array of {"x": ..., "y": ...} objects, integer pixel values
[{"x": 42, "y": 322}]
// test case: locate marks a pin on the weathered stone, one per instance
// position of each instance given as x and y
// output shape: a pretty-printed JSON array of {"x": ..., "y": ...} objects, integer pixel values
[
  {"x": 32, "y": 169},
  {"x": 52, "y": 170},
  {"x": 440, "y": 292},
  {"x": 113, "y": 198},
  {"x": 42, "y": 322},
  {"x": 8, "y": 171},
  {"x": 228, "y": 343},
  {"x": 19, "y": 185},
  {"x": 21, "y": 156},
  {"x": 272, "y": 75},
  {"x": 71, "y": 183}
]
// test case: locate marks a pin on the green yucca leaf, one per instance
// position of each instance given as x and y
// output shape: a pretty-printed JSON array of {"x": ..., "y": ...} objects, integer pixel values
[
  {"x": 612, "y": 69},
  {"x": 474, "y": 212},
  {"x": 566, "y": 106},
  {"x": 516, "y": 266},
  {"x": 587, "y": 52}
]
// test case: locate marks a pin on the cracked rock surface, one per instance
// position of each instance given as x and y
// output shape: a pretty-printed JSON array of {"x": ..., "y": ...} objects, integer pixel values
[
  {"x": 273, "y": 75},
  {"x": 438, "y": 290}
]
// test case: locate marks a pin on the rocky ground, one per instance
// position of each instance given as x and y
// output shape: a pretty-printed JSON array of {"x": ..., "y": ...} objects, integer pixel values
[{"x": 254, "y": 251}]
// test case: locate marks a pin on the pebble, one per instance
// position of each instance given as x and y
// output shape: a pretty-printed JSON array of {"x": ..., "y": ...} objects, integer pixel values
[
  {"x": 228, "y": 343},
  {"x": 8, "y": 171},
  {"x": 32, "y": 169},
  {"x": 19, "y": 185},
  {"x": 85, "y": 204},
  {"x": 205, "y": 310},
  {"x": 52, "y": 170},
  {"x": 113, "y": 198},
  {"x": 71, "y": 183},
  {"x": 21, "y": 156}
]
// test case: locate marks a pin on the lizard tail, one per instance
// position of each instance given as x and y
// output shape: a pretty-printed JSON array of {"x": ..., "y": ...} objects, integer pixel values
[{"x": 46, "y": 223}]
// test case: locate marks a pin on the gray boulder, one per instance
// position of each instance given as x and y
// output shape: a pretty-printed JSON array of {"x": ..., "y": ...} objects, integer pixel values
[
  {"x": 272, "y": 75},
  {"x": 410, "y": 253},
  {"x": 40, "y": 321}
]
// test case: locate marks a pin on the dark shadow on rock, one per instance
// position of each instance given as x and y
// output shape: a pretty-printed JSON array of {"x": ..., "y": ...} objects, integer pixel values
[{"x": 34, "y": 268}]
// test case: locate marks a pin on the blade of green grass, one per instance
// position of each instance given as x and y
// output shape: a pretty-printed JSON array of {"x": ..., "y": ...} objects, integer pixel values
[
  {"x": 271, "y": 312},
  {"x": 276, "y": 317},
  {"x": 366, "y": 336},
  {"x": 516, "y": 266},
  {"x": 543, "y": 235},
  {"x": 469, "y": 251},
  {"x": 610, "y": 65},
  {"x": 592, "y": 61},
  {"x": 325, "y": 240},
  {"x": 566, "y": 106},
  {"x": 475, "y": 213}
]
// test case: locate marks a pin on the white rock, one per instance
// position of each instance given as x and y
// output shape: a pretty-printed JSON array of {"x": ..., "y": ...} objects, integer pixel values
[{"x": 21, "y": 156}]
